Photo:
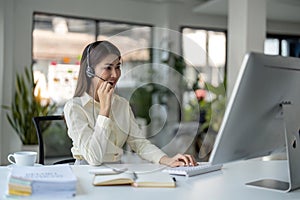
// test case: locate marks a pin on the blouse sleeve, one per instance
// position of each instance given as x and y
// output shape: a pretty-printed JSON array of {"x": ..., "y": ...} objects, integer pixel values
[
  {"x": 138, "y": 142},
  {"x": 91, "y": 141}
]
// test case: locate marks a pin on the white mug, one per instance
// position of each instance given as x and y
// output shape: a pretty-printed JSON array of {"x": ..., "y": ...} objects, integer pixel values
[{"x": 23, "y": 158}]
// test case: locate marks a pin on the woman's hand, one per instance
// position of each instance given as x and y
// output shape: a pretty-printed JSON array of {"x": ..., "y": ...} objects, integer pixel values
[
  {"x": 104, "y": 92},
  {"x": 178, "y": 160}
]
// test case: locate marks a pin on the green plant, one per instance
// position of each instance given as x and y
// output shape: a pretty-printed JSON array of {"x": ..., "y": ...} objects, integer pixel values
[
  {"x": 208, "y": 108},
  {"x": 142, "y": 98},
  {"x": 214, "y": 110},
  {"x": 141, "y": 101},
  {"x": 176, "y": 62},
  {"x": 25, "y": 106}
]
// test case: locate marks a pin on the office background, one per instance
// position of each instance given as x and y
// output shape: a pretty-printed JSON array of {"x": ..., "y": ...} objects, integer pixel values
[{"x": 246, "y": 23}]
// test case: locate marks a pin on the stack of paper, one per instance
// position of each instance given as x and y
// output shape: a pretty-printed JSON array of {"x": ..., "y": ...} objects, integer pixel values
[{"x": 54, "y": 180}]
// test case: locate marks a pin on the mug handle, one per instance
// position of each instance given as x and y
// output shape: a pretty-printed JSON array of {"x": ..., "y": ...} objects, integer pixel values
[{"x": 9, "y": 158}]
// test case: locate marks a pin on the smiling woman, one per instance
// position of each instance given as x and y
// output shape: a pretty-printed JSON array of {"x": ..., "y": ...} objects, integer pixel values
[{"x": 99, "y": 121}]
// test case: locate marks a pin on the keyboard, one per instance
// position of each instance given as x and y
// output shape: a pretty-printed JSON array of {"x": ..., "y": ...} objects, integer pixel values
[{"x": 201, "y": 168}]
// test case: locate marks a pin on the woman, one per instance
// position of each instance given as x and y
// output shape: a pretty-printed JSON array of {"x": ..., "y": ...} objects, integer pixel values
[{"x": 99, "y": 121}]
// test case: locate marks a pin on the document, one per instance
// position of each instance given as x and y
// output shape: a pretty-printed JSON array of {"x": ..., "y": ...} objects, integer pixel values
[
  {"x": 153, "y": 179},
  {"x": 56, "y": 180}
]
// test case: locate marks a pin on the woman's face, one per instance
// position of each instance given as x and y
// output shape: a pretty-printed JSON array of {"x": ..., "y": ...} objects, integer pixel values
[{"x": 108, "y": 69}]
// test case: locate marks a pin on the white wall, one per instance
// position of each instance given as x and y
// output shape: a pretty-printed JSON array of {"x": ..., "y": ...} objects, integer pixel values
[
  {"x": 281, "y": 27},
  {"x": 246, "y": 33},
  {"x": 16, "y": 28},
  {"x": 1, "y": 65},
  {"x": 9, "y": 139}
]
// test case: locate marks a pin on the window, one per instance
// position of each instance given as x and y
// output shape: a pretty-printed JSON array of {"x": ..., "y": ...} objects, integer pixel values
[
  {"x": 205, "y": 51},
  {"x": 58, "y": 42},
  {"x": 57, "y": 46},
  {"x": 283, "y": 45},
  {"x": 205, "y": 54}
]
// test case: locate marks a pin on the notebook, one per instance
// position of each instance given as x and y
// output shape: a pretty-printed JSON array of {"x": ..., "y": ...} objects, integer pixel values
[{"x": 153, "y": 179}]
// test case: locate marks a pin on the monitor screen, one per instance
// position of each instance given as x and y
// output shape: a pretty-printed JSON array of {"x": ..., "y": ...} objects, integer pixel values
[{"x": 254, "y": 121}]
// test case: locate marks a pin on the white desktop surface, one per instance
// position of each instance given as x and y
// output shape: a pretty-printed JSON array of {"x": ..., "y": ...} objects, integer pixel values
[{"x": 229, "y": 183}]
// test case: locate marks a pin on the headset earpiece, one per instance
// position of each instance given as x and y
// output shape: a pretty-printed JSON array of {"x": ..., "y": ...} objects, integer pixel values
[{"x": 90, "y": 72}]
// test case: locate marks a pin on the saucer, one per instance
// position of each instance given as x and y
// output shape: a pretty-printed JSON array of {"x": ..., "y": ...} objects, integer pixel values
[{"x": 35, "y": 165}]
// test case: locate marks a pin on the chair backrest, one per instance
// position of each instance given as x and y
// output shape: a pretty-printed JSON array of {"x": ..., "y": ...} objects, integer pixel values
[{"x": 52, "y": 129}]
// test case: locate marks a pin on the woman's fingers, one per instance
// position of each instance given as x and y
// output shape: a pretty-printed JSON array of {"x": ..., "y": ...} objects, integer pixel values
[
  {"x": 191, "y": 160},
  {"x": 177, "y": 164},
  {"x": 104, "y": 87},
  {"x": 186, "y": 159},
  {"x": 183, "y": 159},
  {"x": 178, "y": 160},
  {"x": 107, "y": 86},
  {"x": 105, "y": 92}
]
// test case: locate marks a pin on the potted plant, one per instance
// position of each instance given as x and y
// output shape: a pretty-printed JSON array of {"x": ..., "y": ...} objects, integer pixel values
[
  {"x": 24, "y": 106},
  {"x": 212, "y": 116}
]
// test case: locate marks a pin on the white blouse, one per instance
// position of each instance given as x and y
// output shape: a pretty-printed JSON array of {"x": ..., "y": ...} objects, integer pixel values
[{"x": 99, "y": 139}]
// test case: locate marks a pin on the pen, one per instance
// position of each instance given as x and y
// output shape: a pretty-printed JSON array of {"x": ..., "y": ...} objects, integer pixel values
[{"x": 135, "y": 176}]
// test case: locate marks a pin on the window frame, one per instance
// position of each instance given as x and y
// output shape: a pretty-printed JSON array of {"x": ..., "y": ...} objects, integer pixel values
[
  {"x": 208, "y": 29},
  {"x": 96, "y": 20},
  {"x": 281, "y": 37}
]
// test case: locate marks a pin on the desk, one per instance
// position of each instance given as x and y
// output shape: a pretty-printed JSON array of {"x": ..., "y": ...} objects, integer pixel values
[{"x": 229, "y": 183}]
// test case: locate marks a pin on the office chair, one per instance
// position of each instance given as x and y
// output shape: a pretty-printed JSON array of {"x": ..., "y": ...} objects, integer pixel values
[{"x": 42, "y": 125}]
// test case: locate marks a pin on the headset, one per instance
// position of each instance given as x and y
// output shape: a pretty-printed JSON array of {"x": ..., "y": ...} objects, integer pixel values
[{"x": 90, "y": 72}]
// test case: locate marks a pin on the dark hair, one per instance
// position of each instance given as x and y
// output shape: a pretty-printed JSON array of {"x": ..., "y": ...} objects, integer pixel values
[{"x": 97, "y": 51}]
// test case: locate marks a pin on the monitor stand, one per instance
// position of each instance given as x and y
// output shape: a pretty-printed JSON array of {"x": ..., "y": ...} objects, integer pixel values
[{"x": 292, "y": 132}]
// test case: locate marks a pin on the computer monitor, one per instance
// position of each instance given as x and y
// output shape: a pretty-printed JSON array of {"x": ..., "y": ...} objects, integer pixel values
[{"x": 263, "y": 116}]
